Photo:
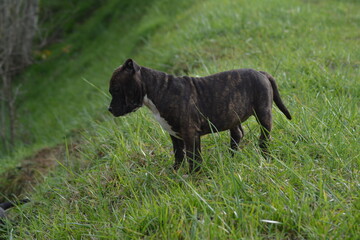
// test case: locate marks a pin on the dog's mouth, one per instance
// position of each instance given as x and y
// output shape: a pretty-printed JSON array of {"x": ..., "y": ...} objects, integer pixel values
[
  {"x": 123, "y": 112},
  {"x": 118, "y": 114}
]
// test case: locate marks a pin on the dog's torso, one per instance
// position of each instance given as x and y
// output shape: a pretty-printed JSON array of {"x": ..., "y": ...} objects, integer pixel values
[{"x": 213, "y": 103}]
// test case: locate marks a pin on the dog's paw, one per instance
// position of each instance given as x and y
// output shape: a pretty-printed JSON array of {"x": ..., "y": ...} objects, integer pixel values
[{"x": 176, "y": 167}]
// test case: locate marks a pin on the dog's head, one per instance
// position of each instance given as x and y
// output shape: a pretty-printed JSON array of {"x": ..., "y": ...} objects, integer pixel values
[{"x": 126, "y": 89}]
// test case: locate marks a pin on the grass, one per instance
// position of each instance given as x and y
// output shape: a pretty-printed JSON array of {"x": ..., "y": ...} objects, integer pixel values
[{"x": 120, "y": 184}]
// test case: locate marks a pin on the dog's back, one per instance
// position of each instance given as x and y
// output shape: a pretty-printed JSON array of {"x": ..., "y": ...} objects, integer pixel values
[{"x": 227, "y": 98}]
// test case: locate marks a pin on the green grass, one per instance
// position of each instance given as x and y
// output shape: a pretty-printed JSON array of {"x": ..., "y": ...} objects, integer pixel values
[{"x": 120, "y": 185}]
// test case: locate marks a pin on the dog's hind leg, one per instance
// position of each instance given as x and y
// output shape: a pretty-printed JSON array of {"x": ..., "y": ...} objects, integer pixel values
[
  {"x": 236, "y": 134},
  {"x": 178, "y": 147},
  {"x": 264, "y": 117}
]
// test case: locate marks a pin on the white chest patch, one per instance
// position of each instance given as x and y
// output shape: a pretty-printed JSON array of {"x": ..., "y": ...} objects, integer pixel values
[{"x": 164, "y": 124}]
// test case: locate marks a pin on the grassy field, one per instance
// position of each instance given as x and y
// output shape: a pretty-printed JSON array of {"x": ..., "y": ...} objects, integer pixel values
[{"x": 117, "y": 183}]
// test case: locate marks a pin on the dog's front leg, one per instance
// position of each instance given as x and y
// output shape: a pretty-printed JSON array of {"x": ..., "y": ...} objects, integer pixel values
[
  {"x": 178, "y": 147},
  {"x": 193, "y": 152},
  {"x": 236, "y": 134}
]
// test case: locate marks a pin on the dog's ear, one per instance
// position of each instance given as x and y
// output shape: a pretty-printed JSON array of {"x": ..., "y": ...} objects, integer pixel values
[{"x": 131, "y": 65}]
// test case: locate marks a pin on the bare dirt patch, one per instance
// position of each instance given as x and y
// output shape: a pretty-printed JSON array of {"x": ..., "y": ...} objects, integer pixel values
[{"x": 19, "y": 181}]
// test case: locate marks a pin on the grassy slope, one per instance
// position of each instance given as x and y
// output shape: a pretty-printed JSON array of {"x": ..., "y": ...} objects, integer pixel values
[{"x": 126, "y": 190}]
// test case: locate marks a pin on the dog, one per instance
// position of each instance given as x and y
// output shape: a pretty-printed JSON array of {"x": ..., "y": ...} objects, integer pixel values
[
  {"x": 6, "y": 205},
  {"x": 190, "y": 107}
]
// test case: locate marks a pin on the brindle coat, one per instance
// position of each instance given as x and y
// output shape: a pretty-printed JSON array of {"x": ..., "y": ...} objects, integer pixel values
[{"x": 194, "y": 106}]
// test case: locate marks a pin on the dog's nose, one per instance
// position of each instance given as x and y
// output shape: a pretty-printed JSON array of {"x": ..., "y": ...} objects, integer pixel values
[{"x": 110, "y": 109}]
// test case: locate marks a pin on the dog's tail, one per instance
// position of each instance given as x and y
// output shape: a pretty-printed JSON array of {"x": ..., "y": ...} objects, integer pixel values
[
  {"x": 277, "y": 98},
  {"x": 7, "y": 205}
]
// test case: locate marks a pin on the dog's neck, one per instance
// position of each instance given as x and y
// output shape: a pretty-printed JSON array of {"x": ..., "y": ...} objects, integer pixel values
[
  {"x": 149, "y": 78},
  {"x": 152, "y": 99}
]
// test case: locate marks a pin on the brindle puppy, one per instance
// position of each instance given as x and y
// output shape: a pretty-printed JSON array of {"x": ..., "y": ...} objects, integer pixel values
[{"x": 189, "y": 107}]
